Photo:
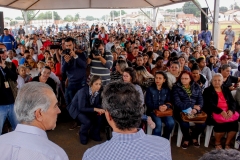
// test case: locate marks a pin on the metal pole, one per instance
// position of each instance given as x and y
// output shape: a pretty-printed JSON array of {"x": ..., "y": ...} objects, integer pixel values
[
  {"x": 154, "y": 18},
  {"x": 215, "y": 29},
  {"x": 26, "y": 21},
  {"x": 199, "y": 7}
]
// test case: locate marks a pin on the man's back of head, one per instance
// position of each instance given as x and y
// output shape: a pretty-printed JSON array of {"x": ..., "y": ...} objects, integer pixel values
[{"x": 123, "y": 112}]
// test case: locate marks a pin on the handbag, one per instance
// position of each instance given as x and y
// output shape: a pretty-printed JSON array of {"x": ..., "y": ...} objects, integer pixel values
[
  {"x": 220, "y": 119},
  {"x": 168, "y": 112},
  {"x": 196, "y": 118}
]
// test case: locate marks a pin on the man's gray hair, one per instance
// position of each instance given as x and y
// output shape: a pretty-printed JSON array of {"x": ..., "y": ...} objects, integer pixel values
[
  {"x": 229, "y": 154},
  {"x": 31, "y": 97}
]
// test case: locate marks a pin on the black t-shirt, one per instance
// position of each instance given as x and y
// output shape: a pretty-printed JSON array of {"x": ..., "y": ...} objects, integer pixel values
[
  {"x": 49, "y": 81},
  {"x": 229, "y": 81},
  {"x": 6, "y": 94}
]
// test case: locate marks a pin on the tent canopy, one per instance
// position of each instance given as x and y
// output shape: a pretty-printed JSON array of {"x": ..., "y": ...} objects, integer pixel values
[{"x": 84, "y": 4}]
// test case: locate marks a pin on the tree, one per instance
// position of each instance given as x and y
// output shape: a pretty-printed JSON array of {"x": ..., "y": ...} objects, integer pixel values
[
  {"x": 68, "y": 18},
  {"x": 191, "y": 8},
  {"x": 90, "y": 18},
  {"x": 77, "y": 17},
  {"x": 223, "y": 9},
  {"x": 19, "y": 18},
  {"x": 7, "y": 18},
  {"x": 117, "y": 13},
  {"x": 56, "y": 16},
  {"x": 13, "y": 23},
  {"x": 30, "y": 15},
  {"x": 234, "y": 6},
  {"x": 173, "y": 10}
]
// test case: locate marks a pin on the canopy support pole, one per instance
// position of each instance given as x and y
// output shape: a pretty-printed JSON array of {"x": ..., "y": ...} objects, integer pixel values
[
  {"x": 215, "y": 29},
  {"x": 199, "y": 7},
  {"x": 154, "y": 19},
  {"x": 26, "y": 21}
]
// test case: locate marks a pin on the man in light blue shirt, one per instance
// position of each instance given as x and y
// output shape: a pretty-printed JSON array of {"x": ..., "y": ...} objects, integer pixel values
[
  {"x": 36, "y": 109},
  {"x": 124, "y": 116}
]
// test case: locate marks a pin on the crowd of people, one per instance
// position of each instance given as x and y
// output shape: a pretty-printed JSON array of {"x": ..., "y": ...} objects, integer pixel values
[{"x": 128, "y": 75}]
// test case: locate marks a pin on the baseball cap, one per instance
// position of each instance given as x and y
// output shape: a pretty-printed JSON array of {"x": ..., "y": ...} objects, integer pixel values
[{"x": 224, "y": 57}]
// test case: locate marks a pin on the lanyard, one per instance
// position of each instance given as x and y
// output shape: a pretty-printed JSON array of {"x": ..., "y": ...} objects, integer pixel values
[{"x": 4, "y": 74}]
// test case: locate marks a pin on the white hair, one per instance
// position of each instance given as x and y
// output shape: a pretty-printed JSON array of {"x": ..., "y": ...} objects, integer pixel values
[
  {"x": 217, "y": 75},
  {"x": 31, "y": 96}
]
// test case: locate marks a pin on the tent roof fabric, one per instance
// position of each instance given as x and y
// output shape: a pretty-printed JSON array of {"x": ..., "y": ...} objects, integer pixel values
[{"x": 84, "y": 4}]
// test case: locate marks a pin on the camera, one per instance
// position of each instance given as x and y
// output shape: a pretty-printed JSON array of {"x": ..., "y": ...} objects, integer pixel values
[
  {"x": 68, "y": 51},
  {"x": 2, "y": 50},
  {"x": 96, "y": 52}
]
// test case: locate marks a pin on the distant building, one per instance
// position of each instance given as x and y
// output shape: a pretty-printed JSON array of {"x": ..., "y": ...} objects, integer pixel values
[{"x": 231, "y": 14}]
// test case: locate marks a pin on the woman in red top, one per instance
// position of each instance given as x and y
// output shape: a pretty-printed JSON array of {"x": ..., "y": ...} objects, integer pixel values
[
  {"x": 221, "y": 109},
  {"x": 103, "y": 35},
  {"x": 55, "y": 68}
]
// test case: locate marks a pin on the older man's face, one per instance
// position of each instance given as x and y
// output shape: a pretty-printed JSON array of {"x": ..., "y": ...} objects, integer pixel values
[{"x": 49, "y": 118}]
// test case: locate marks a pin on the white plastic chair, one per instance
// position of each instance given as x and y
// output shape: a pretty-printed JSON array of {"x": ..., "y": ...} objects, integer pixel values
[
  {"x": 180, "y": 135},
  {"x": 236, "y": 145},
  {"x": 208, "y": 135}
]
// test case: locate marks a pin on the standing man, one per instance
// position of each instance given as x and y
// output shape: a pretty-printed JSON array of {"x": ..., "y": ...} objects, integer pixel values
[
  {"x": 8, "y": 89},
  {"x": 8, "y": 40},
  {"x": 236, "y": 52},
  {"x": 74, "y": 66},
  {"x": 124, "y": 116},
  {"x": 101, "y": 62},
  {"x": 21, "y": 31},
  {"x": 36, "y": 109},
  {"x": 229, "y": 37}
]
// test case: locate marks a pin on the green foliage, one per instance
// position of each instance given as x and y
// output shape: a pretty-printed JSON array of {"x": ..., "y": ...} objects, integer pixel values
[
  {"x": 77, "y": 17},
  {"x": 117, "y": 13},
  {"x": 19, "y": 18},
  {"x": 7, "y": 18},
  {"x": 191, "y": 8},
  {"x": 68, "y": 18},
  {"x": 90, "y": 18},
  {"x": 48, "y": 15},
  {"x": 223, "y": 9},
  {"x": 13, "y": 23},
  {"x": 30, "y": 15},
  {"x": 173, "y": 10},
  {"x": 234, "y": 6}
]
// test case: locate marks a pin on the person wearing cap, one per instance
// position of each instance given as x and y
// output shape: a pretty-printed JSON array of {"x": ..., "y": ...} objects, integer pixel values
[
  {"x": 236, "y": 52},
  {"x": 225, "y": 60},
  {"x": 8, "y": 40},
  {"x": 229, "y": 37}
]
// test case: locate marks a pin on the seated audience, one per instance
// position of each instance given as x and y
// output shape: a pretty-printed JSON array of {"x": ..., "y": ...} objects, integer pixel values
[{"x": 124, "y": 116}]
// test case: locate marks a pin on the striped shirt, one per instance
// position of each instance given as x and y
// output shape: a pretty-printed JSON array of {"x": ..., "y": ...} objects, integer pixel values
[
  {"x": 97, "y": 68},
  {"x": 133, "y": 146}
]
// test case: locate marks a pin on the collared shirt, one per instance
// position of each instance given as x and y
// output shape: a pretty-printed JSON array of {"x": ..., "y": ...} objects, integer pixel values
[
  {"x": 29, "y": 143},
  {"x": 131, "y": 147},
  {"x": 92, "y": 96}
]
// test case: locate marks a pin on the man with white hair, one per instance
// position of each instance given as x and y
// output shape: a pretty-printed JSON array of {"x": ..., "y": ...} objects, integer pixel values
[{"x": 36, "y": 110}]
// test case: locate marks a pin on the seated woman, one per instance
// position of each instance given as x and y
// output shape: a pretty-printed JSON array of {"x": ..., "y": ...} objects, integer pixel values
[
  {"x": 55, "y": 67},
  {"x": 183, "y": 60},
  {"x": 86, "y": 108},
  {"x": 144, "y": 78},
  {"x": 220, "y": 106},
  {"x": 140, "y": 62},
  {"x": 173, "y": 73},
  {"x": 44, "y": 77},
  {"x": 30, "y": 62},
  {"x": 129, "y": 76},
  {"x": 188, "y": 96},
  {"x": 120, "y": 67},
  {"x": 199, "y": 78},
  {"x": 228, "y": 80},
  {"x": 158, "y": 97}
]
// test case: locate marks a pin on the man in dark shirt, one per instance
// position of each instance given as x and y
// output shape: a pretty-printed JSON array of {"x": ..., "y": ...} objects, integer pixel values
[
  {"x": 8, "y": 90},
  {"x": 74, "y": 66}
]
